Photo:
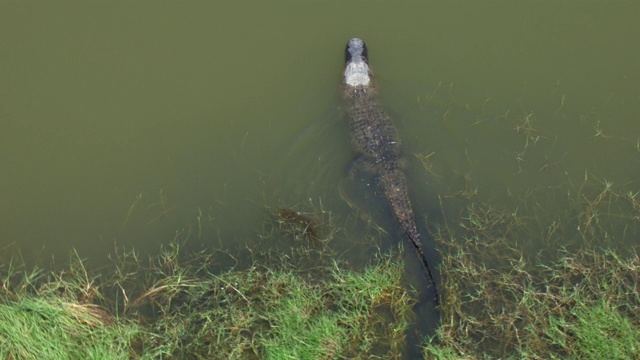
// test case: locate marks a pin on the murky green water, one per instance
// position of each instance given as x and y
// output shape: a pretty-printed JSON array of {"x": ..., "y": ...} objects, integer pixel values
[{"x": 131, "y": 124}]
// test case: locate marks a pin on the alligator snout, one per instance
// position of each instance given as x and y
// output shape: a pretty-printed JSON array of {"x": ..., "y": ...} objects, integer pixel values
[{"x": 356, "y": 51}]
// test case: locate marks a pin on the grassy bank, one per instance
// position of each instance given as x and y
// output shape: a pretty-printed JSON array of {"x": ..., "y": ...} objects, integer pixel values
[{"x": 182, "y": 306}]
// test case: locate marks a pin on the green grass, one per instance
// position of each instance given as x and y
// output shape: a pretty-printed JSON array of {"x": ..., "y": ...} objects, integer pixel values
[
  {"x": 280, "y": 314},
  {"x": 503, "y": 300},
  {"x": 582, "y": 307},
  {"x": 183, "y": 306},
  {"x": 36, "y": 328},
  {"x": 602, "y": 332}
]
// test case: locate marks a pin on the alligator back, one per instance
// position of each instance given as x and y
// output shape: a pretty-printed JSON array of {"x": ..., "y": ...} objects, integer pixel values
[{"x": 377, "y": 144}]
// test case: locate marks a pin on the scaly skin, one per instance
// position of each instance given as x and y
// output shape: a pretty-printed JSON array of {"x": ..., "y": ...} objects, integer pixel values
[{"x": 375, "y": 139}]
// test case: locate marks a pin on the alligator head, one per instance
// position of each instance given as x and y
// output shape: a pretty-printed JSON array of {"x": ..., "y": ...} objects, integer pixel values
[{"x": 357, "y": 71}]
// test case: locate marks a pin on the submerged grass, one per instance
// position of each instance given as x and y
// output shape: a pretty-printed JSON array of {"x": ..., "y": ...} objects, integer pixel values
[
  {"x": 581, "y": 307},
  {"x": 279, "y": 314},
  {"x": 565, "y": 300},
  {"x": 179, "y": 306}
]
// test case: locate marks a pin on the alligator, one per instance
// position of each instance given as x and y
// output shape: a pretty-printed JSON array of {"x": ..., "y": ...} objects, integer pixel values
[{"x": 377, "y": 143}]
